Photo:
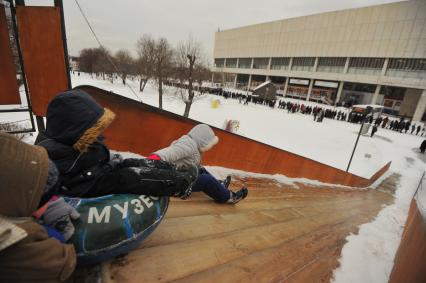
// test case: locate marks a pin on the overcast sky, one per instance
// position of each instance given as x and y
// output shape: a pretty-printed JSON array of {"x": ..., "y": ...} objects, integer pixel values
[{"x": 120, "y": 23}]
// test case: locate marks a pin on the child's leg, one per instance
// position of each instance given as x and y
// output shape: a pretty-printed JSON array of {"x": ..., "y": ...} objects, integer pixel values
[{"x": 211, "y": 186}]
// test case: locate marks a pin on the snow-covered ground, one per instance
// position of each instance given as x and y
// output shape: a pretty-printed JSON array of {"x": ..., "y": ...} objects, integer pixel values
[{"x": 368, "y": 256}]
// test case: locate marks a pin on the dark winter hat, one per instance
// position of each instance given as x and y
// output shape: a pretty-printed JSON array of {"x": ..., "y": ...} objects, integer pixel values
[
  {"x": 75, "y": 118},
  {"x": 23, "y": 175}
]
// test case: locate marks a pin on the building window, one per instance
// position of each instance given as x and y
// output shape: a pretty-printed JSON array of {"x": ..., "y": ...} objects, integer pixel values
[
  {"x": 331, "y": 64},
  {"x": 303, "y": 64},
  {"x": 366, "y": 66},
  {"x": 280, "y": 63},
  {"x": 231, "y": 62},
  {"x": 359, "y": 87},
  {"x": 244, "y": 63},
  {"x": 219, "y": 62},
  {"x": 260, "y": 63},
  {"x": 407, "y": 68}
]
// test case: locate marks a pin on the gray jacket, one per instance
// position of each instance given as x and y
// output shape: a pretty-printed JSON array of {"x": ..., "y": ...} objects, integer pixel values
[{"x": 188, "y": 148}]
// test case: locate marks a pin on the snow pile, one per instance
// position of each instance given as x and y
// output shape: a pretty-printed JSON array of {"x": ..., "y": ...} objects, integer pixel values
[
  {"x": 221, "y": 173},
  {"x": 369, "y": 255}
]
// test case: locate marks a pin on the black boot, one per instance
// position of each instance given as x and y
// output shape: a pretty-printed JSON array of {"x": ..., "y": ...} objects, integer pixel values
[
  {"x": 225, "y": 182},
  {"x": 238, "y": 195}
]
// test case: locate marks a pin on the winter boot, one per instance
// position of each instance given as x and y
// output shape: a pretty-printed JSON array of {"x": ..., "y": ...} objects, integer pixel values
[
  {"x": 238, "y": 195},
  {"x": 225, "y": 182},
  {"x": 190, "y": 174}
]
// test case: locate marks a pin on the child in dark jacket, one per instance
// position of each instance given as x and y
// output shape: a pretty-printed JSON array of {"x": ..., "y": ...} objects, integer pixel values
[
  {"x": 75, "y": 122},
  {"x": 187, "y": 151}
]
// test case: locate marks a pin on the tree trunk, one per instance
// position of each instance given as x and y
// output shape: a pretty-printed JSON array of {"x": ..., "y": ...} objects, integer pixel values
[
  {"x": 188, "y": 103},
  {"x": 141, "y": 85},
  {"x": 187, "y": 108},
  {"x": 160, "y": 92}
]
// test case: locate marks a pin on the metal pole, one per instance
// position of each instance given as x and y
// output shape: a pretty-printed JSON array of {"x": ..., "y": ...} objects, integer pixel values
[
  {"x": 21, "y": 62},
  {"x": 40, "y": 124},
  {"x": 59, "y": 3},
  {"x": 356, "y": 143}
]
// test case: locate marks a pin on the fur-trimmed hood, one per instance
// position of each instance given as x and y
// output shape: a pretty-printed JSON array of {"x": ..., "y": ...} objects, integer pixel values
[{"x": 74, "y": 118}]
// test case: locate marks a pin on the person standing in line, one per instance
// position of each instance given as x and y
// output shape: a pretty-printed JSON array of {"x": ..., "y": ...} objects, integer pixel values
[
  {"x": 374, "y": 130},
  {"x": 418, "y": 130},
  {"x": 423, "y": 146}
]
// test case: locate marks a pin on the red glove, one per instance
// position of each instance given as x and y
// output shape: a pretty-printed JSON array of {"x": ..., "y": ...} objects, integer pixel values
[{"x": 154, "y": 157}]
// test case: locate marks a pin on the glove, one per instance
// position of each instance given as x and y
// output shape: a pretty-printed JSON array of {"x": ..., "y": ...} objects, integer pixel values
[
  {"x": 58, "y": 215},
  {"x": 154, "y": 157},
  {"x": 115, "y": 160}
]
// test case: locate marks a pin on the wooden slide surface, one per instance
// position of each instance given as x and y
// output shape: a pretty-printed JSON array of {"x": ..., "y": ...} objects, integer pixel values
[{"x": 278, "y": 234}]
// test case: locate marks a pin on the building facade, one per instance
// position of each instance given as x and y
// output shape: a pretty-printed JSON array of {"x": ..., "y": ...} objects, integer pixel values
[{"x": 374, "y": 55}]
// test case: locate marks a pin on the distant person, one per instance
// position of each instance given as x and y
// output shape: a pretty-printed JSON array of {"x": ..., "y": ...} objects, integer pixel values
[
  {"x": 423, "y": 146},
  {"x": 188, "y": 150},
  {"x": 418, "y": 130},
  {"x": 374, "y": 130}
]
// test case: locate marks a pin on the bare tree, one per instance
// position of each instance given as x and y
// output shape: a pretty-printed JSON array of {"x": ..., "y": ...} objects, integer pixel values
[
  {"x": 124, "y": 63},
  {"x": 104, "y": 63},
  {"x": 163, "y": 62},
  {"x": 188, "y": 60},
  {"x": 145, "y": 47},
  {"x": 87, "y": 60}
]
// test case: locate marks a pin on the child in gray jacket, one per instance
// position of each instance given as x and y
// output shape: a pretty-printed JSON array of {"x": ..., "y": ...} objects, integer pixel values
[{"x": 187, "y": 151}]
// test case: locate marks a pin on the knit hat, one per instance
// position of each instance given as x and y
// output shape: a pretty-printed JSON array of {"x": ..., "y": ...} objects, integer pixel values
[{"x": 23, "y": 175}]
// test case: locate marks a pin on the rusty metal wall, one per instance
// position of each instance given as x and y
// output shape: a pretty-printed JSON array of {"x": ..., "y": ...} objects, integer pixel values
[
  {"x": 142, "y": 129},
  {"x": 42, "y": 49},
  {"x": 9, "y": 92}
]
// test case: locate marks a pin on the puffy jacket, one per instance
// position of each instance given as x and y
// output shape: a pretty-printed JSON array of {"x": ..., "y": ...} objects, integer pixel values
[
  {"x": 187, "y": 149},
  {"x": 27, "y": 254},
  {"x": 72, "y": 139}
]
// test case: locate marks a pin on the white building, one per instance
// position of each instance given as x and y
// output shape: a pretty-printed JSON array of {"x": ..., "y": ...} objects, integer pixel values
[{"x": 374, "y": 54}]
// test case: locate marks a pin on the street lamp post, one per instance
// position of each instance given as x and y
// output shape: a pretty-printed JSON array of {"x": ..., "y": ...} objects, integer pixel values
[{"x": 367, "y": 111}]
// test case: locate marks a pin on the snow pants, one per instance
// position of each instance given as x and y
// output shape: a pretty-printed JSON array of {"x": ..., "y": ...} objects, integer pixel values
[{"x": 208, "y": 184}]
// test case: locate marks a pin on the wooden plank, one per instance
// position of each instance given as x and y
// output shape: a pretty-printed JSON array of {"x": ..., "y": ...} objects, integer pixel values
[
  {"x": 410, "y": 258},
  {"x": 295, "y": 237},
  {"x": 9, "y": 92},
  {"x": 161, "y": 264},
  {"x": 43, "y": 54},
  {"x": 282, "y": 262}
]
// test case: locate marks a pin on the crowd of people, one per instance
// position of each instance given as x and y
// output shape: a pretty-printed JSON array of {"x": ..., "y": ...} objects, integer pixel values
[{"x": 401, "y": 125}]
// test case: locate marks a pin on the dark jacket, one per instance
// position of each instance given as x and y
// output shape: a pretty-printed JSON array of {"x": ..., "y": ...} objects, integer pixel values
[
  {"x": 74, "y": 122},
  {"x": 72, "y": 139}
]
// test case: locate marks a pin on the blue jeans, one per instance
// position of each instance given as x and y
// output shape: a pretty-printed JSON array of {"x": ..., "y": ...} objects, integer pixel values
[{"x": 211, "y": 186}]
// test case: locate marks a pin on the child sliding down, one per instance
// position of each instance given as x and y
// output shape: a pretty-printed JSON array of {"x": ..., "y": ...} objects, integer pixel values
[{"x": 187, "y": 152}]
